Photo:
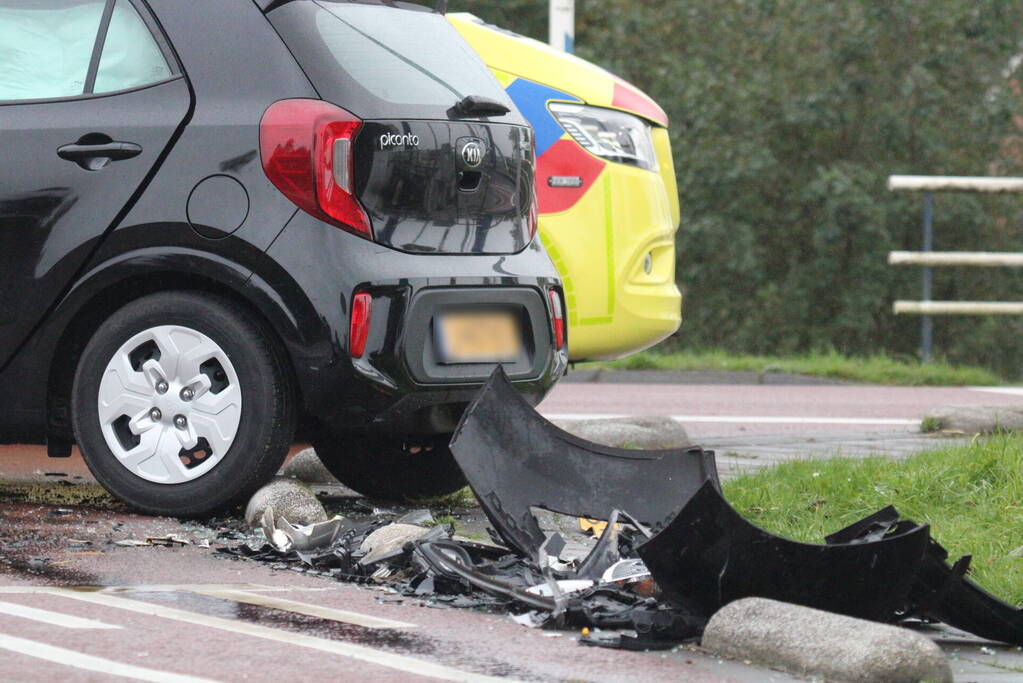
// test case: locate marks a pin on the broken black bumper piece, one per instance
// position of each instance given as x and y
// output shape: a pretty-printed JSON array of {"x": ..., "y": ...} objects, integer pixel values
[
  {"x": 943, "y": 592},
  {"x": 514, "y": 460},
  {"x": 940, "y": 591},
  {"x": 710, "y": 555},
  {"x": 702, "y": 553}
]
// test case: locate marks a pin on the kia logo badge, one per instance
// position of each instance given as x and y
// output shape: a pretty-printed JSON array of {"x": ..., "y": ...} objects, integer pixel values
[{"x": 472, "y": 154}]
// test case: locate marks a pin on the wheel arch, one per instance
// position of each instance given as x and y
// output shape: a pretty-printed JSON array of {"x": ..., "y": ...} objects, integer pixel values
[{"x": 102, "y": 291}]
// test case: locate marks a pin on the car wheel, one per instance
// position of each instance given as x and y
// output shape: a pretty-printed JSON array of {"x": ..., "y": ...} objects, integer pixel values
[
  {"x": 392, "y": 468},
  {"x": 181, "y": 404}
]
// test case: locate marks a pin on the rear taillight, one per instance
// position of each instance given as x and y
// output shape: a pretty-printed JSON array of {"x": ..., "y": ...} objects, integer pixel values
[
  {"x": 358, "y": 328},
  {"x": 558, "y": 318},
  {"x": 306, "y": 148}
]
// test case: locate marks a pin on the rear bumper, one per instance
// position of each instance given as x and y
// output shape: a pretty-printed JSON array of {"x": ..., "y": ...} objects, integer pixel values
[
  {"x": 398, "y": 386},
  {"x": 400, "y": 382}
]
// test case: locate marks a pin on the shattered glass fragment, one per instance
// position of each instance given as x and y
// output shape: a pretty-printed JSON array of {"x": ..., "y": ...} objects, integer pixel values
[{"x": 418, "y": 517}]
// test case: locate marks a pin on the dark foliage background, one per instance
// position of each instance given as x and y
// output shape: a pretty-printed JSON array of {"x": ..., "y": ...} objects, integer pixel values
[{"x": 787, "y": 118}]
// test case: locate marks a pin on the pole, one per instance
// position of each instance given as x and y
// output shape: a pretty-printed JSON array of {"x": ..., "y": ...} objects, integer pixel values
[
  {"x": 926, "y": 324},
  {"x": 561, "y": 26}
]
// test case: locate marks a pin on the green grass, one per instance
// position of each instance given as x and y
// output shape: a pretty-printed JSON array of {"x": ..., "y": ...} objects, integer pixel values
[
  {"x": 971, "y": 495},
  {"x": 877, "y": 369},
  {"x": 459, "y": 499},
  {"x": 443, "y": 519}
]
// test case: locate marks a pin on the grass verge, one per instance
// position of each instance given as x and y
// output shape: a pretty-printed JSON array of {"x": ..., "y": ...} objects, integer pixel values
[
  {"x": 878, "y": 369},
  {"x": 971, "y": 495}
]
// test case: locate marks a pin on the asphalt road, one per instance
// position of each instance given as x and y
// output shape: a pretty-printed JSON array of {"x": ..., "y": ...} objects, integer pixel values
[
  {"x": 75, "y": 607},
  {"x": 185, "y": 614},
  {"x": 714, "y": 411},
  {"x": 753, "y": 426}
]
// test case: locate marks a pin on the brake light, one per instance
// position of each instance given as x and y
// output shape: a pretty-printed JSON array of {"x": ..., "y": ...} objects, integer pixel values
[
  {"x": 558, "y": 318},
  {"x": 306, "y": 150},
  {"x": 358, "y": 333}
]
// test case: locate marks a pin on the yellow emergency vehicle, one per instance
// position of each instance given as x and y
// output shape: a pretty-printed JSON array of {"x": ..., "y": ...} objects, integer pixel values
[{"x": 608, "y": 198}]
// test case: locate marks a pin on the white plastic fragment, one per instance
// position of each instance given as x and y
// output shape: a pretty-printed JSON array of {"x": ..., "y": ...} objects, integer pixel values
[{"x": 566, "y": 586}]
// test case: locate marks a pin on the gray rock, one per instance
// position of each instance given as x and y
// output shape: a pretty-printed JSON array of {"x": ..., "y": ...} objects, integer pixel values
[
  {"x": 306, "y": 466},
  {"x": 648, "y": 433},
  {"x": 817, "y": 644},
  {"x": 289, "y": 499},
  {"x": 977, "y": 419},
  {"x": 388, "y": 539}
]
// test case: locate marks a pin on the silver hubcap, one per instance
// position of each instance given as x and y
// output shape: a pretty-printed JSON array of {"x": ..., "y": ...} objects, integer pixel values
[{"x": 170, "y": 404}]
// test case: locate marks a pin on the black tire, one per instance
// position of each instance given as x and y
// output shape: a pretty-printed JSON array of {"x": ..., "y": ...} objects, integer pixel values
[
  {"x": 267, "y": 422},
  {"x": 384, "y": 468}
]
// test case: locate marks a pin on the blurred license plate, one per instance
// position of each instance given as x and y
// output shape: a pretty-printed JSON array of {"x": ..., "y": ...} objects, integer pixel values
[{"x": 478, "y": 337}]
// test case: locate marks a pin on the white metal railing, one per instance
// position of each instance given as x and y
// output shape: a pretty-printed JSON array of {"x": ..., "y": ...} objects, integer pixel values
[
  {"x": 982, "y": 259},
  {"x": 951, "y": 183},
  {"x": 927, "y": 258},
  {"x": 959, "y": 307}
]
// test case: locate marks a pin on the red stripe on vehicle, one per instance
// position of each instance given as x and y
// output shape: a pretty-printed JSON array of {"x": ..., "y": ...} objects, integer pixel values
[
  {"x": 626, "y": 97},
  {"x": 565, "y": 158}
]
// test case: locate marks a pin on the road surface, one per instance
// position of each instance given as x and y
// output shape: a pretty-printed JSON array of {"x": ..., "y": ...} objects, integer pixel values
[
  {"x": 186, "y": 614},
  {"x": 717, "y": 411}
]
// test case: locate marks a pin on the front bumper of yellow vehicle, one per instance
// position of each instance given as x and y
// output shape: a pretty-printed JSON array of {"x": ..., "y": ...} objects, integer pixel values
[{"x": 615, "y": 250}]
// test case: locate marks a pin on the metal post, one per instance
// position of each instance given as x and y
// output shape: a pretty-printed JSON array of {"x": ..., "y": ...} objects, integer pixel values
[
  {"x": 926, "y": 324},
  {"x": 561, "y": 29}
]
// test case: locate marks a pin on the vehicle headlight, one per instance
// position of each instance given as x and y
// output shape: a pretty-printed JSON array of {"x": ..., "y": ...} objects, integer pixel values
[{"x": 608, "y": 133}]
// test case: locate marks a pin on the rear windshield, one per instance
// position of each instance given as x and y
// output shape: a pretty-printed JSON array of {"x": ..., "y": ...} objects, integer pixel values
[{"x": 384, "y": 61}]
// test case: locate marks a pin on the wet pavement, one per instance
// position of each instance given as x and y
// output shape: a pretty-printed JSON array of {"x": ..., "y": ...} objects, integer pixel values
[
  {"x": 737, "y": 455},
  {"x": 192, "y": 612},
  {"x": 187, "y": 611}
]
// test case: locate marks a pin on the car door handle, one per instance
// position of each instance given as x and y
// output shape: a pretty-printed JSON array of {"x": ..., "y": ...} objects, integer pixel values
[{"x": 93, "y": 156}]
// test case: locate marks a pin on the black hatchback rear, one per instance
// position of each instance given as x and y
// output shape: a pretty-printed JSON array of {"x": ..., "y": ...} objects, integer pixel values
[
  {"x": 445, "y": 166},
  {"x": 307, "y": 215}
]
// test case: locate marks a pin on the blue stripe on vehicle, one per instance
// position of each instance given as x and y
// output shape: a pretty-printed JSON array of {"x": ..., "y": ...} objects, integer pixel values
[{"x": 531, "y": 99}]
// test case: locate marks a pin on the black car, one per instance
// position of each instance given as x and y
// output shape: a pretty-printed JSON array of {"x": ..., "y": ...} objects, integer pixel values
[{"x": 226, "y": 223}]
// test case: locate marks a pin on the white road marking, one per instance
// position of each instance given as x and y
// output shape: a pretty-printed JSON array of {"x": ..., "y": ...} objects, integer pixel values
[
  {"x": 750, "y": 419},
  {"x": 366, "y": 654},
  {"x": 318, "y": 611},
  {"x": 107, "y": 667},
  {"x": 1012, "y": 391},
  {"x": 176, "y": 588},
  {"x": 244, "y": 592},
  {"x": 51, "y": 618}
]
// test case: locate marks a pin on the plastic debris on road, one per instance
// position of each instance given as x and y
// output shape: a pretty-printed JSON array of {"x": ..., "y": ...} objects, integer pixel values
[
  {"x": 168, "y": 541},
  {"x": 432, "y": 563},
  {"x": 671, "y": 553},
  {"x": 304, "y": 537}
]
